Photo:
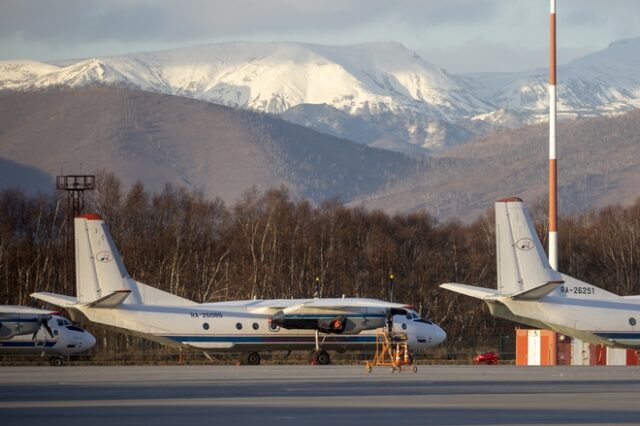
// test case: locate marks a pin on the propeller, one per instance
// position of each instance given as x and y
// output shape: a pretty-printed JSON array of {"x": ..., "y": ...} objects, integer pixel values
[{"x": 44, "y": 323}]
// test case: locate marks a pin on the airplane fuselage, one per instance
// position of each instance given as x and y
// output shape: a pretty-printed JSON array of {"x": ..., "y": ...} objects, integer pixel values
[
  {"x": 223, "y": 328},
  {"x": 613, "y": 323}
]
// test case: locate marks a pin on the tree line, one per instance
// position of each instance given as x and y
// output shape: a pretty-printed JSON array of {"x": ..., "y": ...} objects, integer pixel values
[{"x": 273, "y": 245}]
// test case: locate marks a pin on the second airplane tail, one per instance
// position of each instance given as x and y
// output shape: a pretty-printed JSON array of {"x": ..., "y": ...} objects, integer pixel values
[
  {"x": 522, "y": 265},
  {"x": 523, "y": 270}
]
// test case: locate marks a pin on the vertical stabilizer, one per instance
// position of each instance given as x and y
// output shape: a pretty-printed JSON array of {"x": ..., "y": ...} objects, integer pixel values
[
  {"x": 522, "y": 262},
  {"x": 99, "y": 267}
]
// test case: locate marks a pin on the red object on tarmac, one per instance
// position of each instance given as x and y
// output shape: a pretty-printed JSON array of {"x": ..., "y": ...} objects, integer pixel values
[{"x": 489, "y": 358}]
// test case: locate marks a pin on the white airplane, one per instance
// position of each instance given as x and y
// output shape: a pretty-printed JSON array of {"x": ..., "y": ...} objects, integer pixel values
[
  {"x": 530, "y": 292},
  {"x": 108, "y": 296},
  {"x": 31, "y": 331}
]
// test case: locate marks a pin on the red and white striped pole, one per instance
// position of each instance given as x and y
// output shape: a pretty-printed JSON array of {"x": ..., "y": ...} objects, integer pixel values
[{"x": 553, "y": 184}]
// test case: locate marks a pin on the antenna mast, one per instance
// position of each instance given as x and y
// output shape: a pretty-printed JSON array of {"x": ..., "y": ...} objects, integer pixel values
[{"x": 553, "y": 184}]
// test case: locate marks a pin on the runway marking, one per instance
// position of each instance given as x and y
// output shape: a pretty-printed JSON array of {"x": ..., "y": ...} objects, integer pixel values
[{"x": 612, "y": 401}]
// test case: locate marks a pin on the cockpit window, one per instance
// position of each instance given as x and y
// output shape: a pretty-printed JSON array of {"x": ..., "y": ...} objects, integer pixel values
[
  {"x": 60, "y": 322},
  {"x": 74, "y": 328},
  {"x": 423, "y": 321},
  {"x": 411, "y": 315}
]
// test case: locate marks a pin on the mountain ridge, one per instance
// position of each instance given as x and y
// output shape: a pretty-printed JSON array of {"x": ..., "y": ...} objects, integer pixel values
[{"x": 406, "y": 103}]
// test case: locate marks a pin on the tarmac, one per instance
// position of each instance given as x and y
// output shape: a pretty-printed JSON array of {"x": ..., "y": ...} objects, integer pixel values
[{"x": 319, "y": 395}]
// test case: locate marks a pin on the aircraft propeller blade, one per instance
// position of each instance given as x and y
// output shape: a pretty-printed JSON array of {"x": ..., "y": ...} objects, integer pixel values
[{"x": 44, "y": 323}]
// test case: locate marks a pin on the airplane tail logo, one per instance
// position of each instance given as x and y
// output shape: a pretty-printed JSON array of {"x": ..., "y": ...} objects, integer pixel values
[{"x": 522, "y": 262}]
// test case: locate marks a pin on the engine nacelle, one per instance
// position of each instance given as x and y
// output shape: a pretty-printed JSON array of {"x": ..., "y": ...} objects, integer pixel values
[{"x": 332, "y": 325}]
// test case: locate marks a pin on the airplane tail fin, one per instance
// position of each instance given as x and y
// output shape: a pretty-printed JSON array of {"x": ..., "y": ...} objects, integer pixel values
[
  {"x": 523, "y": 268},
  {"x": 102, "y": 281},
  {"x": 99, "y": 267}
]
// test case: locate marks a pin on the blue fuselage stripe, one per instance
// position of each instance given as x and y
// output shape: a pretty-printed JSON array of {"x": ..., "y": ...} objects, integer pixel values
[
  {"x": 619, "y": 335},
  {"x": 25, "y": 344}
]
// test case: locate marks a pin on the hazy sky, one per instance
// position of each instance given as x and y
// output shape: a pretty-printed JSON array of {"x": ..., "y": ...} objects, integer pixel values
[{"x": 460, "y": 35}]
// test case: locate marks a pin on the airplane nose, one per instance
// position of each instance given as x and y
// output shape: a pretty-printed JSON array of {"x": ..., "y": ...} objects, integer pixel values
[
  {"x": 89, "y": 341},
  {"x": 440, "y": 335}
]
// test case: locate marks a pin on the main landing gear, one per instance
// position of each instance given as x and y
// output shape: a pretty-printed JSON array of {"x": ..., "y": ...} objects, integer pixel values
[
  {"x": 56, "y": 361},
  {"x": 250, "y": 358},
  {"x": 319, "y": 356}
]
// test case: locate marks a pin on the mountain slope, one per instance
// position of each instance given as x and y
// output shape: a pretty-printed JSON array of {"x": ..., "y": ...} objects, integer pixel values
[
  {"x": 158, "y": 139},
  {"x": 598, "y": 165}
]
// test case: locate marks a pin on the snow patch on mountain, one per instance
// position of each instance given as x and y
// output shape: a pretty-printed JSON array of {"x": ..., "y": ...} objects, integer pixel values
[
  {"x": 367, "y": 80},
  {"x": 17, "y": 74},
  {"x": 378, "y": 94},
  {"x": 602, "y": 83}
]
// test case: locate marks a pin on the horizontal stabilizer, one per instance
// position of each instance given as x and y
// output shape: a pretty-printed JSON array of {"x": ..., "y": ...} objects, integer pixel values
[
  {"x": 470, "y": 290},
  {"x": 55, "y": 299},
  {"x": 537, "y": 292},
  {"x": 111, "y": 300}
]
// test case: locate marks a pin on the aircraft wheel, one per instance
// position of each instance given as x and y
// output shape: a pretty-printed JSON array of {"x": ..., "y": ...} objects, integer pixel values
[
  {"x": 251, "y": 358},
  {"x": 320, "y": 357},
  {"x": 323, "y": 358},
  {"x": 56, "y": 361}
]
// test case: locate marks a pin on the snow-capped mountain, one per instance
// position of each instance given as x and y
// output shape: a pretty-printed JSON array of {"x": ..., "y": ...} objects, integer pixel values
[
  {"x": 370, "y": 81},
  {"x": 378, "y": 94},
  {"x": 602, "y": 83}
]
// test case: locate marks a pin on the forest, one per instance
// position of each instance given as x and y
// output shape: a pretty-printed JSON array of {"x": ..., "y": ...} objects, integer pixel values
[{"x": 272, "y": 245}]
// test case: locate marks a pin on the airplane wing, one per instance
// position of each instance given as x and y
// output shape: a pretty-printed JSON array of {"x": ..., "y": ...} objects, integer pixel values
[
  {"x": 341, "y": 305},
  {"x": 352, "y": 302},
  {"x": 8, "y": 310},
  {"x": 334, "y": 315},
  {"x": 22, "y": 320}
]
